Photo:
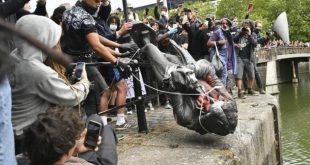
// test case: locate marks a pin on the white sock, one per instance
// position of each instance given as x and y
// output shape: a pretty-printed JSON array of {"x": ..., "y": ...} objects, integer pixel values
[
  {"x": 104, "y": 120},
  {"x": 120, "y": 119}
]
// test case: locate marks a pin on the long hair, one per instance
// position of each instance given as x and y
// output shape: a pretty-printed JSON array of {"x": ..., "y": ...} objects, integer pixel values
[{"x": 61, "y": 70}]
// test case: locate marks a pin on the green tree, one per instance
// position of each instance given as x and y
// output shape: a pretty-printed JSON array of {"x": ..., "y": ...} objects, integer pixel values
[
  {"x": 203, "y": 8},
  {"x": 268, "y": 10},
  {"x": 298, "y": 18},
  {"x": 265, "y": 10}
]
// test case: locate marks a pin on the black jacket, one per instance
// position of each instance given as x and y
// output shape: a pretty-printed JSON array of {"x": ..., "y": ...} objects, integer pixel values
[{"x": 193, "y": 42}]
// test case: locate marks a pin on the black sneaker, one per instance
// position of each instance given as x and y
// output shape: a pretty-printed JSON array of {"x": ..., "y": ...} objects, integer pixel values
[
  {"x": 241, "y": 95},
  {"x": 252, "y": 92}
]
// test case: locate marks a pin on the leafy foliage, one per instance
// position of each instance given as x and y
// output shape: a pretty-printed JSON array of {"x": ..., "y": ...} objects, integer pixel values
[{"x": 268, "y": 10}]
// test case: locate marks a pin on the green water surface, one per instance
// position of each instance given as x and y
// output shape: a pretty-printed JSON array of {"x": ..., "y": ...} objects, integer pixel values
[{"x": 294, "y": 102}]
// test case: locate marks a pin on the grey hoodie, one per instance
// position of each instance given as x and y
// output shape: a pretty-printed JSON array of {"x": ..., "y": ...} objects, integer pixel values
[{"x": 36, "y": 86}]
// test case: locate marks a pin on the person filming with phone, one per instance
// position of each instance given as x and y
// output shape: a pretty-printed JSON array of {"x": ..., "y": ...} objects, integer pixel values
[
  {"x": 245, "y": 41},
  {"x": 36, "y": 85},
  {"x": 59, "y": 137}
]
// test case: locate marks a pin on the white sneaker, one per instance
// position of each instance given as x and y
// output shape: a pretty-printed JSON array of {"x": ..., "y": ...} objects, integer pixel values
[
  {"x": 168, "y": 105},
  {"x": 129, "y": 112},
  {"x": 150, "y": 105}
]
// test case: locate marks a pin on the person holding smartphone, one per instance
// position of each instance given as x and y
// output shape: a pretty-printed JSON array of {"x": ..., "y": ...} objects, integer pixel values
[
  {"x": 245, "y": 41},
  {"x": 35, "y": 85},
  {"x": 191, "y": 25},
  {"x": 59, "y": 137}
]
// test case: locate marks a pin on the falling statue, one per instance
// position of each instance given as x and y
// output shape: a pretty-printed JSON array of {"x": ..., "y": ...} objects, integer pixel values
[{"x": 199, "y": 99}]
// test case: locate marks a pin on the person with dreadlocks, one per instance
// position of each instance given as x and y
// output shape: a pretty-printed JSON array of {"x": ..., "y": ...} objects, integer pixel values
[{"x": 223, "y": 40}]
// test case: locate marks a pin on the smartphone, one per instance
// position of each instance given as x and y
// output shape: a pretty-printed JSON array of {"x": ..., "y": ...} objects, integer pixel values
[
  {"x": 250, "y": 7},
  {"x": 93, "y": 133},
  {"x": 78, "y": 72}
]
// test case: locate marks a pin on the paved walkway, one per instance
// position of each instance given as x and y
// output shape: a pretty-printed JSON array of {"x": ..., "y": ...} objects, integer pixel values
[
  {"x": 158, "y": 121},
  {"x": 169, "y": 143}
]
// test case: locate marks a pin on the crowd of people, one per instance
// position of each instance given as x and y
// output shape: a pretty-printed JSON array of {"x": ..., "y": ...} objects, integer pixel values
[
  {"x": 88, "y": 32},
  {"x": 279, "y": 43}
]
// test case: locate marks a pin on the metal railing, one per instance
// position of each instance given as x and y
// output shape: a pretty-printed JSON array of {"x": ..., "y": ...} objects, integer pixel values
[{"x": 265, "y": 55}]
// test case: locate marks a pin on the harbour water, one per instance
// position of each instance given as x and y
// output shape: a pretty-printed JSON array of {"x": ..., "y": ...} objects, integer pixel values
[{"x": 294, "y": 100}]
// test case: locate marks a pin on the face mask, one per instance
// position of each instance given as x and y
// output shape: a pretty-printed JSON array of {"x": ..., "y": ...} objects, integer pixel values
[
  {"x": 113, "y": 27},
  {"x": 225, "y": 29},
  {"x": 163, "y": 13},
  {"x": 189, "y": 17},
  {"x": 174, "y": 25},
  {"x": 234, "y": 24},
  {"x": 96, "y": 13}
]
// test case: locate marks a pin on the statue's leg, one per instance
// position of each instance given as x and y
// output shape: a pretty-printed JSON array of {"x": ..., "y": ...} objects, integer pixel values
[{"x": 157, "y": 59}]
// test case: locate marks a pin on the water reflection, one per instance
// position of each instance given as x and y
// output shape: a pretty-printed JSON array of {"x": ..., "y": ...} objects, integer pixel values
[{"x": 294, "y": 102}]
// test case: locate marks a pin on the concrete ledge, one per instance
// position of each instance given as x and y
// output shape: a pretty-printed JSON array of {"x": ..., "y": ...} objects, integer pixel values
[{"x": 253, "y": 143}]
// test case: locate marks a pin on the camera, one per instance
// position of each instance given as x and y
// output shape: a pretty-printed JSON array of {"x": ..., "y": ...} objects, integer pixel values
[
  {"x": 186, "y": 10},
  {"x": 93, "y": 133},
  {"x": 244, "y": 29}
]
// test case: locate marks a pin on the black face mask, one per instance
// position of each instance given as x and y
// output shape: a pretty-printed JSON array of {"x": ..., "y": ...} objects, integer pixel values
[{"x": 89, "y": 9}]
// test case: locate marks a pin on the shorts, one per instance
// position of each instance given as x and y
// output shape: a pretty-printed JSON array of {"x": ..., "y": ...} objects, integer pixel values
[
  {"x": 92, "y": 101},
  {"x": 245, "y": 65},
  {"x": 96, "y": 78},
  {"x": 111, "y": 74}
]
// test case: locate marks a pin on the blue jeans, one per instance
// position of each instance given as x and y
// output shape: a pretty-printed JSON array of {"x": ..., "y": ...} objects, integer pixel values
[{"x": 7, "y": 152}]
